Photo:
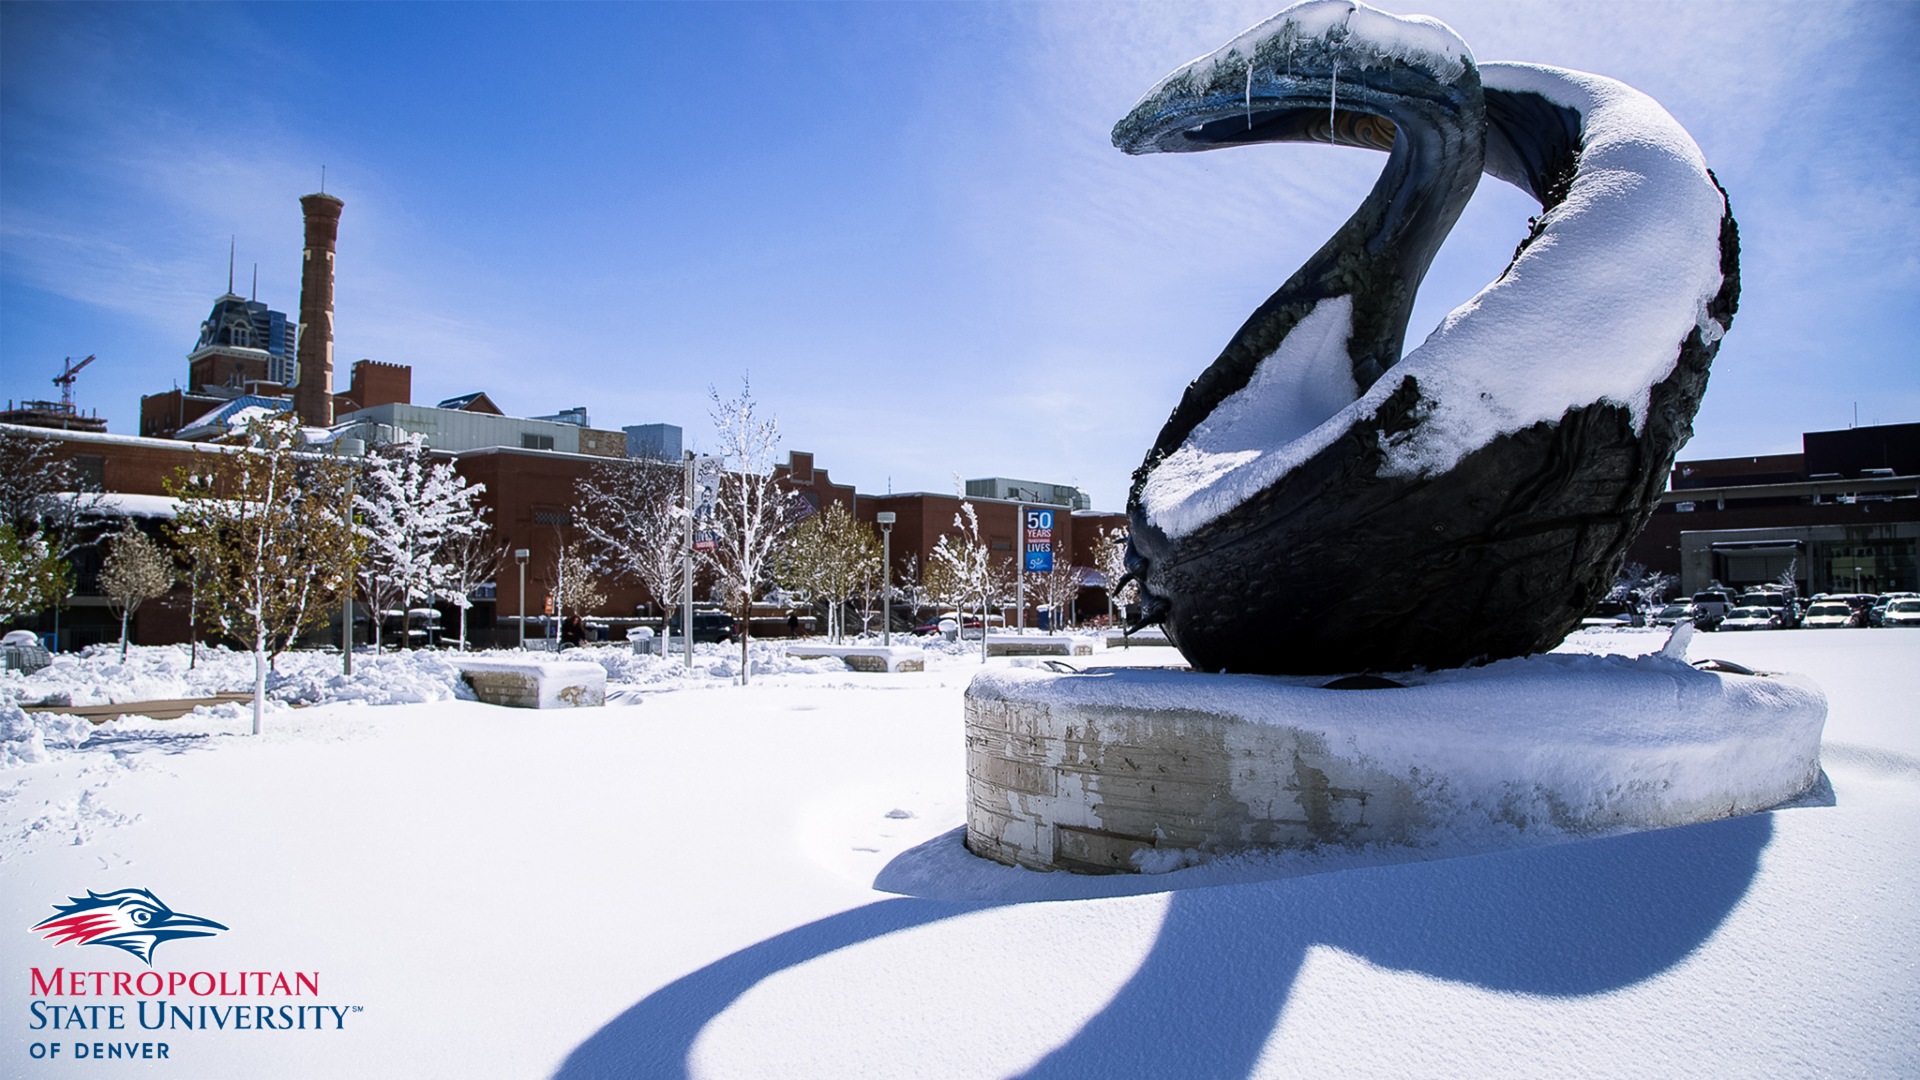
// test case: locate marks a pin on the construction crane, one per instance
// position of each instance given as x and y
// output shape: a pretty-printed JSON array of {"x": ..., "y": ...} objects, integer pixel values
[{"x": 65, "y": 379}]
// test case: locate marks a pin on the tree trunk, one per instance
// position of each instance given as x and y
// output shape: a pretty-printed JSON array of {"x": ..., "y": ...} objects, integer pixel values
[
  {"x": 123, "y": 635},
  {"x": 259, "y": 676},
  {"x": 746, "y": 631}
]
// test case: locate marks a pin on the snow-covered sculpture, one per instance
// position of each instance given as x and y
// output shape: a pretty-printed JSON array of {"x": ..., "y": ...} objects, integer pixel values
[{"x": 1319, "y": 503}]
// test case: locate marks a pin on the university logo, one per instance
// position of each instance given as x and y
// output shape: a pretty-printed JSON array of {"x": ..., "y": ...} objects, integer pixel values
[{"x": 130, "y": 919}]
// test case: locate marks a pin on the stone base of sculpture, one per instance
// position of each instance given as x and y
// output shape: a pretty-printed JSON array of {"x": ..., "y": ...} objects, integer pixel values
[{"x": 1130, "y": 770}]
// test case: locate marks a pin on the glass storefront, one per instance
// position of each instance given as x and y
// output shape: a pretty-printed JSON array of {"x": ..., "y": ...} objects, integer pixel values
[{"x": 1868, "y": 564}]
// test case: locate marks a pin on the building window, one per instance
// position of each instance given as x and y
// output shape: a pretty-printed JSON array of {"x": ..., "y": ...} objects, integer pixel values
[
  {"x": 530, "y": 441},
  {"x": 90, "y": 472}
]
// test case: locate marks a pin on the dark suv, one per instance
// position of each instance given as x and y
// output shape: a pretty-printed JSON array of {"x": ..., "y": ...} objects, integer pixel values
[{"x": 707, "y": 626}]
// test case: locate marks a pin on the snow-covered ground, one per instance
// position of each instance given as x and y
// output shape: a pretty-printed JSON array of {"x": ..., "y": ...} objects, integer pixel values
[{"x": 711, "y": 880}]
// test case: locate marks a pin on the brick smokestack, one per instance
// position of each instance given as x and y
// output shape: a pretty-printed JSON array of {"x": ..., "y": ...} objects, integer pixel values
[{"x": 313, "y": 394}]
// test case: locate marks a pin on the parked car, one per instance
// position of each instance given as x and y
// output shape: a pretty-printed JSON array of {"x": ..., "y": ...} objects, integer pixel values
[
  {"x": 1877, "y": 614},
  {"x": 1828, "y": 614},
  {"x": 707, "y": 626},
  {"x": 1614, "y": 613},
  {"x": 1752, "y": 617},
  {"x": 1779, "y": 601},
  {"x": 1710, "y": 607},
  {"x": 1904, "y": 612},
  {"x": 1675, "y": 614}
]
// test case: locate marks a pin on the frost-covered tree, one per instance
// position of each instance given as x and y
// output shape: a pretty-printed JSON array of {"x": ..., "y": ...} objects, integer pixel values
[
  {"x": 42, "y": 495},
  {"x": 963, "y": 567},
  {"x": 631, "y": 512},
  {"x": 134, "y": 571},
  {"x": 265, "y": 526},
  {"x": 830, "y": 556},
  {"x": 44, "y": 517},
  {"x": 1639, "y": 589},
  {"x": 1789, "y": 578},
  {"x": 576, "y": 585},
  {"x": 32, "y": 577},
  {"x": 408, "y": 508},
  {"x": 471, "y": 559},
  {"x": 1110, "y": 558},
  {"x": 753, "y": 514},
  {"x": 1060, "y": 586}
]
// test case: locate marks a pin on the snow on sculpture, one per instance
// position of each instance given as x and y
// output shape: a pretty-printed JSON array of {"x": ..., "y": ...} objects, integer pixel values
[{"x": 1319, "y": 503}]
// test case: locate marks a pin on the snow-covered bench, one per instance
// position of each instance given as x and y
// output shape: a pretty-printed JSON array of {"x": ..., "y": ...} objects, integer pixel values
[
  {"x": 879, "y": 658},
  {"x": 536, "y": 684},
  {"x": 1024, "y": 645}
]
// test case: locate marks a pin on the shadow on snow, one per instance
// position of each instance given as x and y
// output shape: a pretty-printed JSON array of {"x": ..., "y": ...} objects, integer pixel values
[{"x": 1563, "y": 921}]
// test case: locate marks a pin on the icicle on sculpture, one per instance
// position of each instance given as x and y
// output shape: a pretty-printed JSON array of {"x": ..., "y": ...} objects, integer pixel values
[{"x": 1319, "y": 503}]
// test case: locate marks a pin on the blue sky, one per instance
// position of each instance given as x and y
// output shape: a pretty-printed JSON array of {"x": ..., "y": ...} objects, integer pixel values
[{"x": 905, "y": 221}]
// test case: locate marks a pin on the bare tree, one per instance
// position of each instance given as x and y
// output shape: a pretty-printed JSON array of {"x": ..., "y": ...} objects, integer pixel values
[
  {"x": 575, "y": 585},
  {"x": 754, "y": 513},
  {"x": 135, "y": 571},
  {"x": 265, "y": 527},
  {"x": 632, "y": 513},
  {"x": 471, "y": 559}
]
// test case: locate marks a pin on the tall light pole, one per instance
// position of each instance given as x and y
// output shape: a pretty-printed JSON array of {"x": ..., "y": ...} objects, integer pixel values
[
  {"x": 348, "y": 448},
  {"x": 686, "y": 570},
  {"x": 886, "y": 519},
  {"x": 520, "y": 556},
  {"x": 1019, "y": 569}
]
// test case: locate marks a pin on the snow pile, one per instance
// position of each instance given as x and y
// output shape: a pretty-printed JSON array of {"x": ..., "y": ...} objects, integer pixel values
[
  {"x": 395, "y": 679},
  {"x": 25, "y": 737},
  {"x": 97, "y": 676},
  {"x": 711, "y": 661}
]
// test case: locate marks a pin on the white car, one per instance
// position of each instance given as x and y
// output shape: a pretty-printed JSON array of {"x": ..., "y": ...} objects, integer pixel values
[
  {"x": 1903, "y": 613},
  {"x": 1751, "y": 618},
  {"x": 1825, "y": 615}
]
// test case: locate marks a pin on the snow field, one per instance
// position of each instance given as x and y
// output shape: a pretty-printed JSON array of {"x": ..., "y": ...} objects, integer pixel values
[{"x": 686, "y": 888}]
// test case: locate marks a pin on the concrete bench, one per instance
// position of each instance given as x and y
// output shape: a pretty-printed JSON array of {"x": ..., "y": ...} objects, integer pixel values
[
  {"x": 1145, "y": 638},
  {"x": 536, "y": 684},
  {"x": 876, "y": 658},
  {"x": 1023, "y": 645}
]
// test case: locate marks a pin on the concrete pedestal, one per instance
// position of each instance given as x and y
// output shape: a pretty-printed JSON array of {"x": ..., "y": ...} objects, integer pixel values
[{"x": 1116, "y": 770}]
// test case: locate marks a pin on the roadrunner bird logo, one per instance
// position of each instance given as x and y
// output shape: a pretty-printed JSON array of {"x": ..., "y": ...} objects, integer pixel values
[{"x": 130, "y": 919}]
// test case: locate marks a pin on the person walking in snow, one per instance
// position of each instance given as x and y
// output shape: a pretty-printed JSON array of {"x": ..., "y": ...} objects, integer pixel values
[{"x": 573, "y": 632}]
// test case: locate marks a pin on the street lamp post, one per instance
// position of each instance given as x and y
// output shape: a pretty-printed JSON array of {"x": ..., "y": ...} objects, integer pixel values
[
  {"x": 350, "y": 448},
  {"x": 886, "y": 519},
  {"x": 520, "y": 556}
]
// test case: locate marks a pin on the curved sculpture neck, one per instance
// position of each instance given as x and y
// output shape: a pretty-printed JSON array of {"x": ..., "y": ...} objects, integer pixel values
[{"x": 1380, "y": 255}]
